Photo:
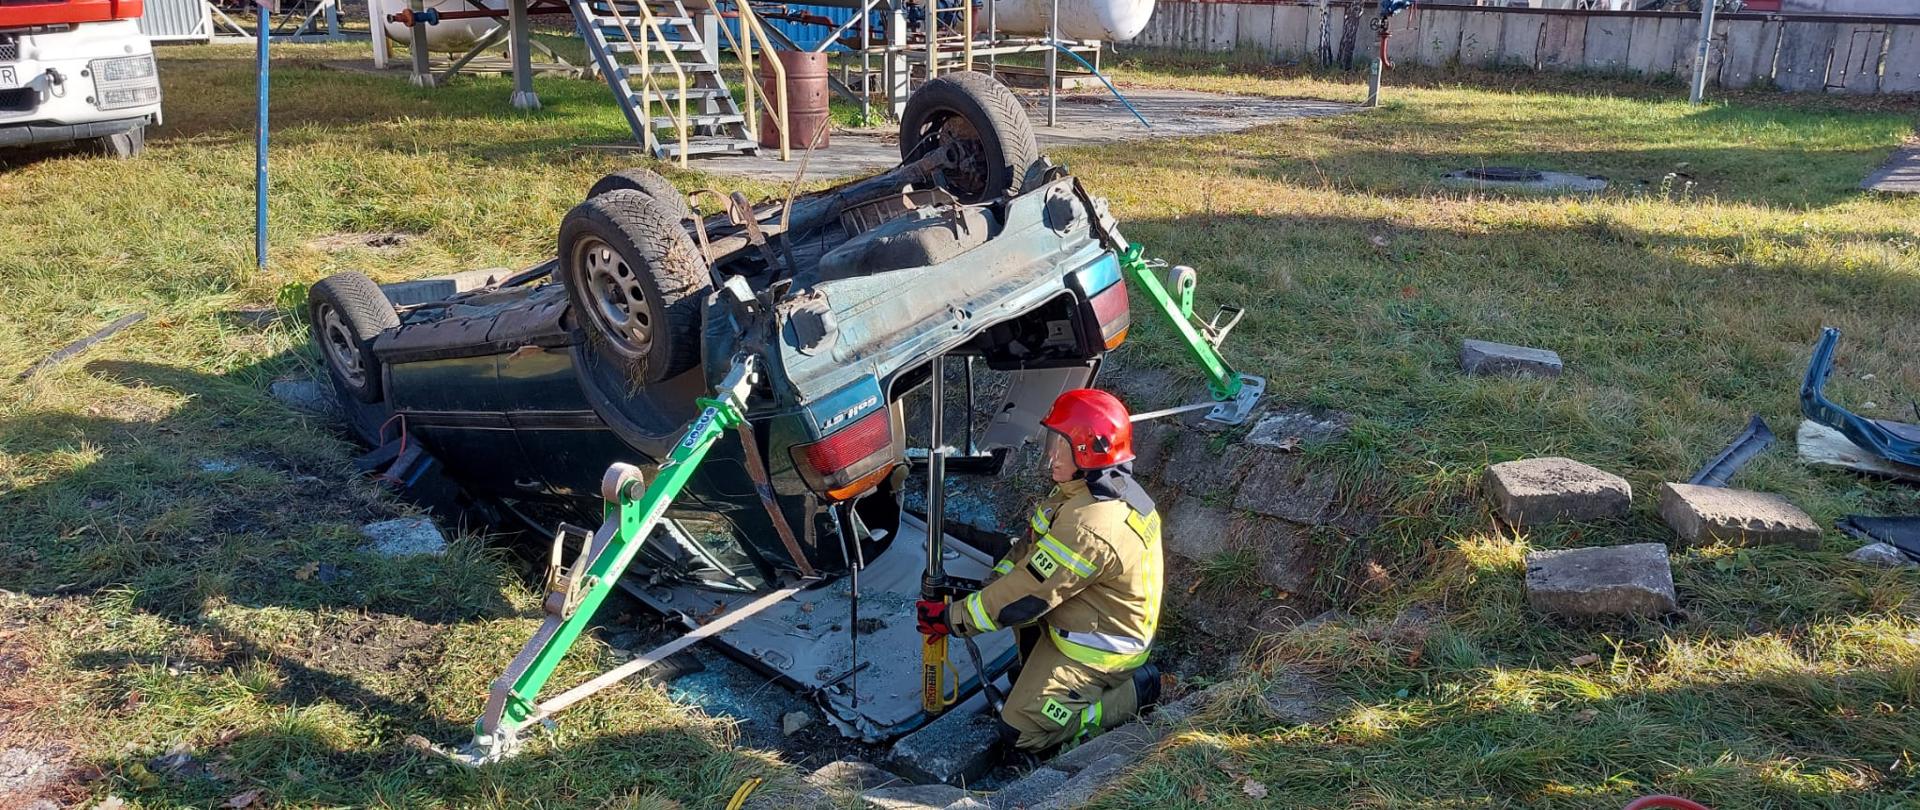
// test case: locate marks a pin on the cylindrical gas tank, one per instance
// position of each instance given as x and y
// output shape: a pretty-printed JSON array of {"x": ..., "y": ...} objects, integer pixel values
[
  {"x": 806, "y": 100},
  {"x": 1105, "y": 20},
  {"x": 446, "y": 36}
]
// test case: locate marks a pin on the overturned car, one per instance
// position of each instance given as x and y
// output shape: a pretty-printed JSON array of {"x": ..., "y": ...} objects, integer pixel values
[{"x": 796, "y": 329}]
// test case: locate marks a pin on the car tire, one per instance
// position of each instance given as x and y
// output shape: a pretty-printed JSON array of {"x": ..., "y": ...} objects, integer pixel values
[
  {"x": 645, "y": 181},
  {"x": 976, "y": 110},
  {"x": 621, "y": 246},
  {"x": 124, "y": 145},
  {"x": 347, "y": 311}
]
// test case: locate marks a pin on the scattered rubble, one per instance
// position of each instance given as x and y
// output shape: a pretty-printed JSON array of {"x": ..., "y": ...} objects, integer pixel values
[
  {"x": 1632, "y": 580},
  {"x": 1543, "y": 490},
  {"x": 405, "y": 537},
  {"x": 1482, "y": 358},
  {"x": 1883, "y": 555},
  {"x": 1288, "y": 430},
  {"x": 1701, "y": 514},
  {"x": 794, "y": 721}
]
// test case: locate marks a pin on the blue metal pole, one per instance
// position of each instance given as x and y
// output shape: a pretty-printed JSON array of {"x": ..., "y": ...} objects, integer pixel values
[{"x": 260, "y": 147}]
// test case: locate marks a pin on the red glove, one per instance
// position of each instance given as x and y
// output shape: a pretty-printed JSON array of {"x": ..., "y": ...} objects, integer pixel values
[{"x": 933, "y": 617}]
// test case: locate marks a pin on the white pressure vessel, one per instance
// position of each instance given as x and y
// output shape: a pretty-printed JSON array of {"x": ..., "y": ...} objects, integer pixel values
[
  {"x": 1104, "y": 20},
  {"x": 447, "y": 36}
]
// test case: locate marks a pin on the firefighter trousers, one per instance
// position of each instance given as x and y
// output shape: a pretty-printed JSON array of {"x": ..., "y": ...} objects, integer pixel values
[{"x": 1056, "y": 699}]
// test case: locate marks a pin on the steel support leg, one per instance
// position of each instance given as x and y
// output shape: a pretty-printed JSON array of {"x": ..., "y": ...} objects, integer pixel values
[{"x": 520, "y": 47}]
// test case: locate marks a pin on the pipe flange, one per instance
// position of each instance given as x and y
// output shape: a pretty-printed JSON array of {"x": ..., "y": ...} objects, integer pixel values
[{"x": 617, "y": 478}]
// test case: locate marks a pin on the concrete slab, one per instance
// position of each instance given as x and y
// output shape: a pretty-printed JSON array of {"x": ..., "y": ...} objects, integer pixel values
[
  {"x": 1293, "y": 429},
  {"x": 1634, "y": 580},
  {"x": 1901, "y": 175},
  {"x": 913, "y": 797},
  {"x": 1084, "y": 119},
  {"x": 1195, "y": 530},
  {"x": 1823, "y": 446},
  {"x": 1543, "y": 490},
  {"x": 1705, "y": 514},
  {"x": 1482, "y": 358},
  {"x": 1279, "y": 486}
]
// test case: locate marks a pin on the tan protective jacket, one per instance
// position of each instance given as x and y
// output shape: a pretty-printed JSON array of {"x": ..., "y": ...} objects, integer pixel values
[{"x": 1089, "y": 571}]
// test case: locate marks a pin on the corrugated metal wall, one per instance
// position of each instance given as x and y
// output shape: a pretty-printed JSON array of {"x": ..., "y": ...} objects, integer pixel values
[{"x": 175, "y": 20}]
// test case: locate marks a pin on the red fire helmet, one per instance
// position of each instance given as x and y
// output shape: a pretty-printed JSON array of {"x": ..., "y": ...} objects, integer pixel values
[{"x": 1095, "y": 424}]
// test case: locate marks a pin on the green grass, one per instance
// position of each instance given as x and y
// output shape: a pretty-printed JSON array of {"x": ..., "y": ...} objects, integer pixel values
[{"x": 158, "y": 604}]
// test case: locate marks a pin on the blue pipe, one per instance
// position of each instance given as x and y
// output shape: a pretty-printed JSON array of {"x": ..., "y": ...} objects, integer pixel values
[
  {"x": 260, "y": 149},
  {"x": 1103, "y": 80}
]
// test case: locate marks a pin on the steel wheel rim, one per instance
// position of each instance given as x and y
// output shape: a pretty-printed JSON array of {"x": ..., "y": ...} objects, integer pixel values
[
  {"x": 343, "y": 350},
  {"x": 618, "y": 304}
]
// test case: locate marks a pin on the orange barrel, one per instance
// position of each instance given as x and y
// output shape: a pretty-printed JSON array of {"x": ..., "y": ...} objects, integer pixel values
[{"x": 806, "y": 100}]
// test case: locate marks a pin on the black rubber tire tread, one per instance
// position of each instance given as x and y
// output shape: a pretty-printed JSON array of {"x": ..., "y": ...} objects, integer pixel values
[
  {"x": 995, "y": 112},
  {"x": 124, "y": 145},
  {"x": 653, "y": 242},
  {"x": 645, "y": 181},
  {"x": 366, "y": 312}
]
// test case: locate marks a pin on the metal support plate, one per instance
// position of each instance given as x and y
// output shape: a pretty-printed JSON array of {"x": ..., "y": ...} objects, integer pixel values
[{"x": 1235, "y": 411}]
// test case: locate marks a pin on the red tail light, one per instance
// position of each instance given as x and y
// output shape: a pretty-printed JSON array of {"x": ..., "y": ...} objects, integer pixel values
[
  {"x": 1110, "y": 309},
  {"x": 851, "y": 460}
]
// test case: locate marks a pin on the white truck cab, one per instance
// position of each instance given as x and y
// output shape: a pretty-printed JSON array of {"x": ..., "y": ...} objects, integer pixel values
[{"x": 78, "y": 70}]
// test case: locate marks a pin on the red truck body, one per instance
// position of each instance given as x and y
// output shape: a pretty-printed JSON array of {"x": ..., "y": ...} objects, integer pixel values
[{"x": 16, "y": 14}]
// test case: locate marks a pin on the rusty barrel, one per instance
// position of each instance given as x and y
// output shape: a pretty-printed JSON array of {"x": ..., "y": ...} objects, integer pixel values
[{"x": 806, "y": 100}]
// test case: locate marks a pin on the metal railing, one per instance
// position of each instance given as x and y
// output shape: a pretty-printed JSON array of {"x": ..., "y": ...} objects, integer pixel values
[
  {"x": 752, "y": 32},
  {"x": 649, "y": 85}
]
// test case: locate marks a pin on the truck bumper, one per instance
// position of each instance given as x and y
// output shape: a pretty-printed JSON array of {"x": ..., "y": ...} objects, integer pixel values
[{"x": 25, "y": 134}]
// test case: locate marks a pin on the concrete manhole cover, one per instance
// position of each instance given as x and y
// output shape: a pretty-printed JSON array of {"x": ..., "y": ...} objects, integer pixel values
[{"x": 1521, "y": 177}]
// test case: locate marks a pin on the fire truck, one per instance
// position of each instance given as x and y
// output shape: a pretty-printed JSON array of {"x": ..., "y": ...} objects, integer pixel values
[{"x": 76, "y": 71}]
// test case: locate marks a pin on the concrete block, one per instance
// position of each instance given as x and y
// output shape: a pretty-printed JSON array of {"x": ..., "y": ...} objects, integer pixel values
[
  {"x": 310, "y": 396},
  {"x": 1150, "y": 442},
  {"x": 1283, "y": 550},
  {"x": 405, "y": 537},
  {"x": 1288, "y": 430},
  {"x": 1881, "y": 554},
  {"x": 952, "y": 749},
  {"x": 1196, "y": 531},
  {"x": 1544, "y": 490},
  {"x": 1295, "y": 698},
  {"x": 1633, "y": 580},
  {"x": 1482, "y": 358},
  {"x": 1196, "y": 467},
  {"x": 1034, "y": 788},
  {"x": 1079, "y": 791},
  {"x": 1279, "y": 486},
  {"x": 913, "y": 797},
  {"x": 1705, "y": 514},
  {"x": 853, "y": 775}
]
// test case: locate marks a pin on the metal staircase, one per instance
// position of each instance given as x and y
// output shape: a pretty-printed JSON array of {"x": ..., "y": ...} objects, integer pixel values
[{"x": 668, "y": 87}]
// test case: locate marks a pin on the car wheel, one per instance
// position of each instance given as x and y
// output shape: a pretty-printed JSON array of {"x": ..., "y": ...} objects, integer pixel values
[
  {"x": 124, "y": 144},
  {"x": 986, "y": 124},
  {"x": 647, "y": 182},
  {"x": 347, "y": 312},
  {"x": 637, "y": 281}
]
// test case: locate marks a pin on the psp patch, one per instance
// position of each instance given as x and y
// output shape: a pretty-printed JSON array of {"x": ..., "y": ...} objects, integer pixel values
[
  {"x": 1059, "y": 714},
  {"x": 1042, "y": 564}
]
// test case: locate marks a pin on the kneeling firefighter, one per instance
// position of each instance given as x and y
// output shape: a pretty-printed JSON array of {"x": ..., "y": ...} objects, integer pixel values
[{"x": 1086, "y": 577}]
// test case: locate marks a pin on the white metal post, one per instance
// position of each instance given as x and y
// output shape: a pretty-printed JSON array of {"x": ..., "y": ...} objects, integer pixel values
[
  {"x": 1053, "y": 65},
  {"x": 377, "y": 23},
  {"x": 1703, "y": 56},
  {"x": 520, "y": 48}
]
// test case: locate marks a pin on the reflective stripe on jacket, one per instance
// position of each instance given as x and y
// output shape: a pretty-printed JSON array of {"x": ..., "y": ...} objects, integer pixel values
[{"x": 1089, "y": 571}]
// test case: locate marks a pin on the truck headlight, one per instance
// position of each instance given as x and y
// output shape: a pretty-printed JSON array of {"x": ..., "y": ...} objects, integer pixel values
[{"x": 127, "y": 81}]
